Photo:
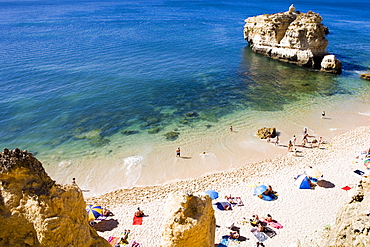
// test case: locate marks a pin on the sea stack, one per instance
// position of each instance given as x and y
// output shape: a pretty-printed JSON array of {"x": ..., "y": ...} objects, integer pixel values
[{"x": 292, "y": 37}]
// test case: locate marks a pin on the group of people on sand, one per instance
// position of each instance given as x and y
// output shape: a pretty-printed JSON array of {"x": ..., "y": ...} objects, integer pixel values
[{"x": 260, "y": 225}]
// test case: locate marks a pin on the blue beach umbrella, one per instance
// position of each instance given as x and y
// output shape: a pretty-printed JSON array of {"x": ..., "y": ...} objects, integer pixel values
[
  {"x": 212, "y": 193},
  {"x": 260, "y": 189},
  {"x": 94, "y": 211}
]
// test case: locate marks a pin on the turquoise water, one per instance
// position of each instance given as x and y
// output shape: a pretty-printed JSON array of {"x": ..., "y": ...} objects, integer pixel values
[{"x": 107, "y": 80}]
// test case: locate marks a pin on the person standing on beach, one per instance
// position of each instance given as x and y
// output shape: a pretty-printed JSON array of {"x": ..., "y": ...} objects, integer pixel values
[
  {"x": 305, "y": 131},
  {"x": 73, "y": 180},
  {"x": 231, "y": 128},
  {"x": 322, "y": 114},
  {"x": 269, "y": 137},
  {"x": 277, "y": 140},
  {"x": 178, "y": 152},
  {"x": 294, "y": 140},
  {"x": 290, "y": 145}
]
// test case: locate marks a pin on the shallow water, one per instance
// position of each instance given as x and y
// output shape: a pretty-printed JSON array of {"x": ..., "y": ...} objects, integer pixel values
[{"x": 92, "y": 87}]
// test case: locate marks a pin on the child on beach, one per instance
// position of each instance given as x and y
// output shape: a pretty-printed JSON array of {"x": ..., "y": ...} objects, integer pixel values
[
  {"x": 178, "y": 152},
  {"x": 277, "y": 140}
]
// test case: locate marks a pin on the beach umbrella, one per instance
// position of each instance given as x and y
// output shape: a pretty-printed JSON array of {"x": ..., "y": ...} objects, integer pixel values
[
  {"x": 367, "y": 163},
  {"x": 260, "y": 189},
  {"x": 313, "y": 173},
  {"x": 212, "y": 193},
  {"x": 94, "y": 211},
  {"x": 303, "y": 182}
]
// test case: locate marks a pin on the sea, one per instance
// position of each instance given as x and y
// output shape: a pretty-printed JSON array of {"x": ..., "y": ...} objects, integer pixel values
[{"x": 105, "y": 91}]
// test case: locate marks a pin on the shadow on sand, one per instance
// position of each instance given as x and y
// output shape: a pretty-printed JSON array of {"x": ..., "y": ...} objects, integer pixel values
[{"x": 106, "y": 225}]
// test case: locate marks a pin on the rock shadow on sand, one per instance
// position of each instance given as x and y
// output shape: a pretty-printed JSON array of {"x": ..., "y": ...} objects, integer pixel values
[{"x": 106, "y": 225}]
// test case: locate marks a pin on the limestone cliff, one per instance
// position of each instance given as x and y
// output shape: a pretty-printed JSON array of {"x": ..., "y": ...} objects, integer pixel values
[
  {"x": 292, "y": 37},
  {"x": 190, "y": 221},
  {"x": 352, "y": 225},
  {"x": 35, "y": 211}
]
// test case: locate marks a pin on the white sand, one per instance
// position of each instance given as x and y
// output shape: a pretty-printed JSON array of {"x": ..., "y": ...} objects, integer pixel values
[{"x": 302, "y": 212}]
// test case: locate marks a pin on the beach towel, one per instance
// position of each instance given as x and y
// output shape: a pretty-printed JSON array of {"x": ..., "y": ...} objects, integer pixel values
[
  {"x": 358, "y": 172},
  {"x": 137, "y": 220},
  {"x": 113, "y": 240},
  {"x": 100, "y": 218},
  {"x": 259, "y": 235},
  {"x": 133, "y": 243},
  {"x": 221, "y": 205},
  {"x": 224, "y": 242},
  {"x": 239, "y": 201},
  {"x": 269, "y": 232},
  {"x": 274, "y": 224},
  {"x": 269, "y": 197}
]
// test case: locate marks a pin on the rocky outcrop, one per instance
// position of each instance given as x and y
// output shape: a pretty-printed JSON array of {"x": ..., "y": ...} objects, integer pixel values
[
  {"x": 290, "y": 36},
  {"x": 352, "y": 226},
  {"x": 365, "y": 76},
  {"x": 264, "y": 132},
  {"x": 35, "y": 211},
  {"x": 331, "y": 64},
  {"x": 190, "y": 221}
]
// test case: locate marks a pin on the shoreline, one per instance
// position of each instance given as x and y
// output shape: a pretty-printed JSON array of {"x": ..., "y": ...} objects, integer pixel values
[
  {"x": 151, "y": 162},
  {"x": 294, "y": 208}
]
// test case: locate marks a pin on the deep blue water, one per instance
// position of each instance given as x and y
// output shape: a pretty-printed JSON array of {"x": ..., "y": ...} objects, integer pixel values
[{"x": 71, "y": 67}]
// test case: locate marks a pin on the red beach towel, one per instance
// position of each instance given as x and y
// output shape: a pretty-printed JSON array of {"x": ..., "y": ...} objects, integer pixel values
[{"x": 137, "y": 220}]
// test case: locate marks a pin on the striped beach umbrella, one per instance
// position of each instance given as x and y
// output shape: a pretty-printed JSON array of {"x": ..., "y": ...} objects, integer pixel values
[
  {"x": 367, "y": 163},
  {"x": 94, "y": 211}
]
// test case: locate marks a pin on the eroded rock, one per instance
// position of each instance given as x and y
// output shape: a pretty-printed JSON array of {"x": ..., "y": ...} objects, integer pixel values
[
  {"x": 35, "y": 211},
  {"x": 190, "y": 221},
  {"x": 289, "y": 36}
]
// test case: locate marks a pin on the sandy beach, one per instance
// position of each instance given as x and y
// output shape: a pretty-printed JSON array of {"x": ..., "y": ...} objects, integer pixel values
[{"x": 301, "y": 212}]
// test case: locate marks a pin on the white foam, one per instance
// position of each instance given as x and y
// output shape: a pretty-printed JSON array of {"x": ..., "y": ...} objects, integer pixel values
[
  {"x": 364, "y": 113},
  {"x": 131, "y": 161},
  {"x": 65, "y": 163}
]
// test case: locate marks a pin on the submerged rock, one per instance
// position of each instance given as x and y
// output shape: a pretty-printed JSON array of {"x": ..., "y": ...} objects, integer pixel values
[
  {"x": 289, "y": 36},
  {"x": 154, "y": 130},
  {"x": 172, "y": 135},
  {"x": 129, "y": 132}
]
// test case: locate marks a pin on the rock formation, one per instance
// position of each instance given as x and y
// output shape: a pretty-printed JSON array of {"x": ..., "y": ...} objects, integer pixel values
[
  {"x": 331, "y": 64},
  {"x": 352, "y": 226},
  {"x": 263, "y": 133},
  {"x": 365, "y": 76},
  {"x": 35, "y": 211},
  {"x": 190, "y": 221},
  {"x": 292, "y": 37}
]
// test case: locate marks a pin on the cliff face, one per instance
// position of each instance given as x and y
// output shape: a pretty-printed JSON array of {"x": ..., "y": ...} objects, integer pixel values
[
  {"x": 352, "y": 227},
  {"x": 35, "y": 211},
  {"x": 290, "y": 36},
  {"x": 190, "y": 221}
]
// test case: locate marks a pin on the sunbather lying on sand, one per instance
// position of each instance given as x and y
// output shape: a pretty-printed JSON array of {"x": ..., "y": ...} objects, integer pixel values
[
  {"x": 107, "y": 212},
  {"x": 234, "y": 235},
  {"x": 269, "y": 191},
  {"x": 230, "y": 199},
  {"x": 139, "y": 213}
]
